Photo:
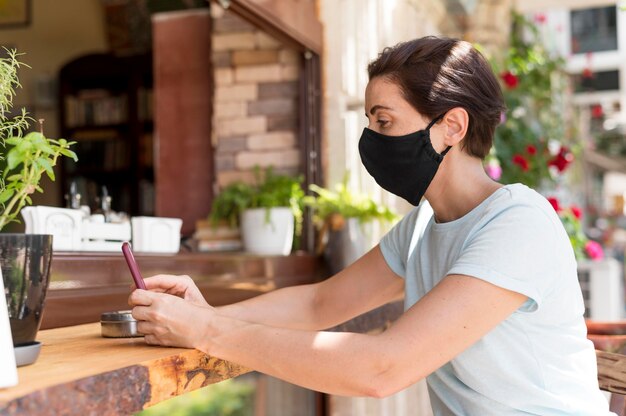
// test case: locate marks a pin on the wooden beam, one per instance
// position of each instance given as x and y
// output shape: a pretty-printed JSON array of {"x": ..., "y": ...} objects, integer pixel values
[
  {"x": 183, "y": 77},
  {"x": 293, "y": 22}
]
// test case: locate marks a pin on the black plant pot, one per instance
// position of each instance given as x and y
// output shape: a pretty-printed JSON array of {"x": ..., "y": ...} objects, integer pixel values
[{"x": 25, "y": 261}]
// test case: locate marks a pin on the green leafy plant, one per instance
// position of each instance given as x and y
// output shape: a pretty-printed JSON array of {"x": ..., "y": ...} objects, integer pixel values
[
  {"x": 227, "y": 398},
  {"x": 24, "y": 158},
  {"x": 332, "y": 207},
  {"x": 230, "y": 203},
  {"x": 530, "y": 144},
  {"x": 268, "y": 191}
]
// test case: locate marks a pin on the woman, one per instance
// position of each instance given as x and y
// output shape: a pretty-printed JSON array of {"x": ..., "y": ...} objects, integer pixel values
[{"x": 493, "y": 309}]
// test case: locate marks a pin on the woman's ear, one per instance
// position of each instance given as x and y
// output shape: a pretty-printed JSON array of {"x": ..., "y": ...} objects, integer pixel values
[{"x": 456, "y": 122}]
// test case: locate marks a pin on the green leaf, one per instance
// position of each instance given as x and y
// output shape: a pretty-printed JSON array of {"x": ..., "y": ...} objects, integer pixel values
[
  {"x": 13, "y": 140},
  {"x": 45, "y": 164},
  {"x": 16, "y": 177},
  {"x": 6, "y": 195},
  {"x": 69, "y": 153},
  {"x": 24, "y": 146},
  {"x": 14, "y": 158}
]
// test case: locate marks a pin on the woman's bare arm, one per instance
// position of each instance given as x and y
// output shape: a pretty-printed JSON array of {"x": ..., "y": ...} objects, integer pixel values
[
  {"x": 363, "y": 286},
  {"x": 450, "y": 318}
]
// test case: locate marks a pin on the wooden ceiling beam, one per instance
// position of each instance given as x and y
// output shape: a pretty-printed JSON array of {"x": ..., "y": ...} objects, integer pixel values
[{"x": 293, "y": 22}]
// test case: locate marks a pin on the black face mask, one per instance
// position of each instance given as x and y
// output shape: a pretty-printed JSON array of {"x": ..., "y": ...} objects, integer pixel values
[{"x": 402, "y": 165}]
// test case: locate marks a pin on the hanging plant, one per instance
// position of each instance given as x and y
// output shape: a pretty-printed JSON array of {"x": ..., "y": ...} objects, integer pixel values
[{"x": 530, "y": 144}]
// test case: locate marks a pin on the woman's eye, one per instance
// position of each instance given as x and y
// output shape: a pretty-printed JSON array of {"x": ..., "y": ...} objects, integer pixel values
[{"x": 382, "y": 123}]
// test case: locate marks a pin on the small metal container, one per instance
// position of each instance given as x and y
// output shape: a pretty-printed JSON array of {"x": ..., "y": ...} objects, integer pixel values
[{"x": 118, "y": 324}]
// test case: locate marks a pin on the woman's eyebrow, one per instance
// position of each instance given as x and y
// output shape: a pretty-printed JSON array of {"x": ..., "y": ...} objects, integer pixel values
[{"x": 377, "y": 107}]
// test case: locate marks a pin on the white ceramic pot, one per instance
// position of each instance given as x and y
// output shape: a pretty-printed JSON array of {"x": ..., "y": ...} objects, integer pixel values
[
  {"x": 8, "y": 375},
  {"x": 267, "y": 232}
]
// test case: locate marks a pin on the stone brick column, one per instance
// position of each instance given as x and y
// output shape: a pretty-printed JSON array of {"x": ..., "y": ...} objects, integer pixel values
[{"x": 255, "y": 115}]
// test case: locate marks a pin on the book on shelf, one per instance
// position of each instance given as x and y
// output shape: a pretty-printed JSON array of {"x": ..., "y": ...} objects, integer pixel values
[
  {"x": 105, "y": 154},
  {"x": 220, "y": 237},
  {"x": 95, "y": 107},
  {"x": 145, "y": 103},
  {"x": 218, "y": 245}
]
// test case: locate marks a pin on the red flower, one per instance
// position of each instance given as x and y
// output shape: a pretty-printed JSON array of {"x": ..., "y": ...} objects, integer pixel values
[
  {"x": 587, "y": 73},
  {"x": 562, "y": 160},
  {"x": 555, "y": 203},
  {"x": 521, "y": 161},
  {"x": 510, "y": 79},
  {"x": 540, "y": 18},
  {"x": 531, "y": 150},
  {"x": 596, "y": 111},
  {"x": 594, "y": 250},
  {"x": 576, "y": 212}
]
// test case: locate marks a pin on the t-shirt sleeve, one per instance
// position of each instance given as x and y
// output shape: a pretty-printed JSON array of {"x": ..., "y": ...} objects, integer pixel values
[
  {"x": 515, "y": 250},
  {"x": 395, "y": 244}
]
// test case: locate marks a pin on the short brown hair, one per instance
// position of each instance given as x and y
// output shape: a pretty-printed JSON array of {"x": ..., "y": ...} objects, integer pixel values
[{"x": 437, "y": 74}]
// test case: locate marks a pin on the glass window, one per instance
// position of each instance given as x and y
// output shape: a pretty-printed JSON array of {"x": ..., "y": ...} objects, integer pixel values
[
  {"x": 594, "y": 30},
  {"x": 597, "y": 81}
]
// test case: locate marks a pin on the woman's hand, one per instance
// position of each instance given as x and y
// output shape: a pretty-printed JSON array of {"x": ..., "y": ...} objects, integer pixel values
[
  {"x": 181, "y": 286},
  {"x": 170, "y": 320}
]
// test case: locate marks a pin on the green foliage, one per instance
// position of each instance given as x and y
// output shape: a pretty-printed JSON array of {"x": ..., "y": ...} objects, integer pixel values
[
  {"x": 227, "y": 398},
  {"x": 230, "y": 203},
  {"x": 25, "y": 159},
  {"x": 269, "y": 190},
  {"x": 611, "y": 143},
  {"x": 346, "y": 203},
  {"x": 8, "y": 84},
  {"x": 534, "y": 83},
  {"x": 574, "y": 229},
  {"x": 28, "y": 158}
]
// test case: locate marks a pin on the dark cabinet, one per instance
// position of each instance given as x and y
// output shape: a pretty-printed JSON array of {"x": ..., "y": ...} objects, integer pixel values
[{"x": 106, "y": 106}]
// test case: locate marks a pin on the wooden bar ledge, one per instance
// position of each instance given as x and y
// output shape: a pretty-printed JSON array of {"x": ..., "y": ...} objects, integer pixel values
[{"x": 79, "y": 372}]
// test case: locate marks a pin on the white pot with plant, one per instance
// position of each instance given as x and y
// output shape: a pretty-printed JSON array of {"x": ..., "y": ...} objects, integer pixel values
[
  {"x": 24, "y": 259},
  {"x": 340, "y": 215},
  {"x": 268, "y": 212}
]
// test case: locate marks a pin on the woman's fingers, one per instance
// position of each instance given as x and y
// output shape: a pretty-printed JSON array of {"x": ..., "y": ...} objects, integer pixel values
[
  {"x": 142, "y": 313},
  {"x": 141, "y": 297},
  {"x": 145, "y": 327},
  {"x": 182, "y": 286},
  {"x": 151, "y": 340},
  {"x": 162, "y": 281},
  {"x": 168, "y": 320}
]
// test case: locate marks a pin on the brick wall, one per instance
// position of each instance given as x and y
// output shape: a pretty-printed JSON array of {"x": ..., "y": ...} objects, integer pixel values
[{"x": 255, "y": 118}]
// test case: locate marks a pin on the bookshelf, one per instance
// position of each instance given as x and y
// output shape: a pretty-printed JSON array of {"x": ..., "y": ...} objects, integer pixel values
[{"x": 106, "y": 106}]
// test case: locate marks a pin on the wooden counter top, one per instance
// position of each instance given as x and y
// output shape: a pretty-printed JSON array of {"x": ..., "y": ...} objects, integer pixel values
[{"x": 80, "y": 373}]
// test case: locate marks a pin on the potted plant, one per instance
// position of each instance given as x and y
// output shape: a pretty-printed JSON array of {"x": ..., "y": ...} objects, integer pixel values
[
  {"x": 268, "y": 211},
  {"x": 24, "y": 259},
  {"x": 339, "y": 215}
]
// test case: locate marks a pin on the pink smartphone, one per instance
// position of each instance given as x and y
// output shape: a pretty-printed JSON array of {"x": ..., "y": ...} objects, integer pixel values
[{"x": 132, "y": 265}]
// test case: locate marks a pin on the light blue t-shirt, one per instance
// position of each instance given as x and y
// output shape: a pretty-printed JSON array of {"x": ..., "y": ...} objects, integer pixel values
[{"x": 538, "y": 361}]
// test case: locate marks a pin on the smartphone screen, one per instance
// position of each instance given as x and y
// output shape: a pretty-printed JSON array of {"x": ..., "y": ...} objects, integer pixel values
[{"x": 132, "y": 265}]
